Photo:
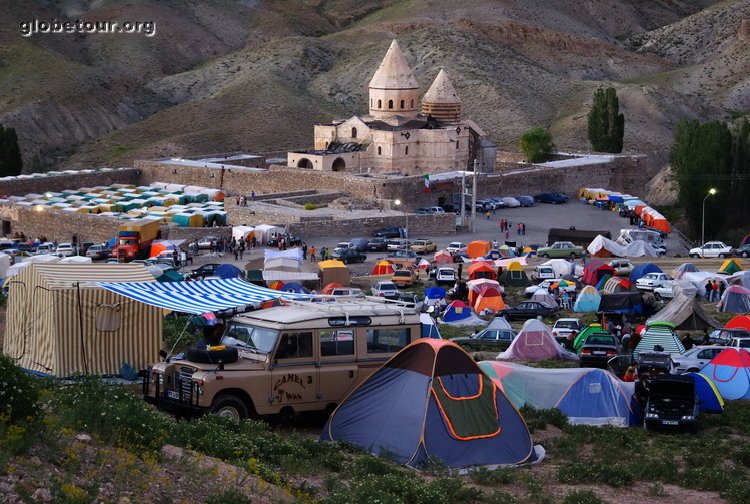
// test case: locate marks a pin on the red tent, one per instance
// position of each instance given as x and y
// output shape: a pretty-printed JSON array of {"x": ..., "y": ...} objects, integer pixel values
[
  {"x": 328, "y": 289},
  {"x": 595, "y": 271},
  {"x": 739, "y": 322},
  {"x": 481, "y": 269}
]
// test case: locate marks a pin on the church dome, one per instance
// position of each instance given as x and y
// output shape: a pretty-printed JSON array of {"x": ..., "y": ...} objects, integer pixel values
[
  {"x": 441, "y": 101},
  {"x": 393, "y": 89}
]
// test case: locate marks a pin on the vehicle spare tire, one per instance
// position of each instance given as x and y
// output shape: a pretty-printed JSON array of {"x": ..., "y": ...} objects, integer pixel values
[{"x": 225, "y": 355}]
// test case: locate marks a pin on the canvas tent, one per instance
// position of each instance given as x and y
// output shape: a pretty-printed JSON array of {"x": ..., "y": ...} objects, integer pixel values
[
  {"x": 534, "y": 343},
  {"x": 660, "y": 335},
  {"x": 477, "y": 248},
  {"x": 586, "y": 396},
  {"x": 481, "y": 269},
  {"x": 642, "y": 270},
  {"x": 333, "y": 272},
  {"x": 730, "y": 266},
  {"x": 61, "y": 322},
  {"x": 604, "y": 247},
  {"x": 588, "y": 300},
  {"x": 730, "y": 372},
  {"x": 459, "y": 313},
  {"x": 595, "y": 270},
  {"x": 685, "y": 313},
  {"x": 709, "y": 396},
  {"x": 432, "y": 400},
  {"x": 543, "y": 296},
  {"x": 515, "y": 276},
  {"x": 735, "y": 299}
]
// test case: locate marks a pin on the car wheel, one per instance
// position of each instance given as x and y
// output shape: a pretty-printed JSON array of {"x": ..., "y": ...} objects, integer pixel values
[
  {"x": 744, "y": 254},
  {"x": 694, "y": 256},
  {"x": 573, "y": 255},
  {"x": 546, "y": 256},
  {"x": 229, "y": 406},
  {"x": 722, "y": 256}
]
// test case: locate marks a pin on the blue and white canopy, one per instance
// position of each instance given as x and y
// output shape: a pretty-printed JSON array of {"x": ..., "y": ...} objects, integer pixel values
[{"x": 199, "y": 297}]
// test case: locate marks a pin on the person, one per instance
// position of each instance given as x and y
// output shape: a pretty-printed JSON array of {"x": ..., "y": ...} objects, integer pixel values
[
  {"x": 706, "y": 340},
  {"x": 518, "y": 228},
  {"x": 523, "y": 228},
  {"x": 708, "y": 288},
  {"x": 722, "y": 288},
  {"x": 687, "y": 342},
  {"x": 570, "y": 340},
  {"x": 211, "y": 336},
  {"x": 629, "y": 375},
  {"x": 641, "y": 390},
  {"x": 625, "y": 342},
  {"x": 715, "y": 291},
  {"x": 237, "y": 199},
  {"x": 487, "y": 214},
  {"x": 304, "y": 251},
  {"x": 312, "y": 253},
  {"x": 241, "y": 249},
  {"x": 252, "y": 196}
]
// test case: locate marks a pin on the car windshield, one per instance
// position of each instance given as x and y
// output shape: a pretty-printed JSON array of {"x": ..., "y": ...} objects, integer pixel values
[
  {"x": 566, "y": 324},
  {"x": 388, "y": 286},
  {"x": 257, "y": 339}
]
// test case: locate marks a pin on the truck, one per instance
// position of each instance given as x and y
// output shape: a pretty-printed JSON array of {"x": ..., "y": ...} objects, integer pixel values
[{"x": 134, "y": 239}]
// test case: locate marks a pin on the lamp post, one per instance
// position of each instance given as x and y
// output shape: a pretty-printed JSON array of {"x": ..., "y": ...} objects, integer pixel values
[
  {"x": 406, "y": 231},
  {"x": 711, "y": 192}
]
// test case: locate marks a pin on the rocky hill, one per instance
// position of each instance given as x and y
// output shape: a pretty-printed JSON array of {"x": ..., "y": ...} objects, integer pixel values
[{"x": 252, "y": 75}]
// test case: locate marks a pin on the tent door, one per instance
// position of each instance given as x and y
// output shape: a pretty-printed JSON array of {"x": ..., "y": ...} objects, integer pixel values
[{"x": 337, "y": 368}]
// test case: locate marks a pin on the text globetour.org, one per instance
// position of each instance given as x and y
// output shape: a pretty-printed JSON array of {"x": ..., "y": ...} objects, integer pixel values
[{"x": 29, "y": 28}]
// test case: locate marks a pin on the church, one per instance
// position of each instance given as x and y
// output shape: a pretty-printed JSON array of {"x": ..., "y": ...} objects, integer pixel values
[{"x": 400, "y": 135}]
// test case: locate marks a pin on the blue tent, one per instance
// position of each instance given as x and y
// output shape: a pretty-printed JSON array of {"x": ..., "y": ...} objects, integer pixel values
[
  {"x": 460, "y": 314},
  {"x": 587, "y": 301},
  {"x": 708, "y": 395},
  {"x": 596, "y": 395},
  {"x": 493, "y": 255},
  {"x": 295, "y": 288},
  {"x": 642, "y": 270},
  {"x": 730, "y": 372},
  {"x": 429, "y": 327},
  {"x": 602, "y": 281},
  {"x": 226, "y": 271},
  {"x": 434, "y": 293},
  {"x": 431, "y": 400}
]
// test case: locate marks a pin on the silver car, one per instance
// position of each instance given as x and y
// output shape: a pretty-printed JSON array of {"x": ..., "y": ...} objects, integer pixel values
[{"x": 696, "y": 358}]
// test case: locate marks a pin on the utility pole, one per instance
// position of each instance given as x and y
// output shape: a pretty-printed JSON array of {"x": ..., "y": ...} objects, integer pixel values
[
  {"x": 474, "y": 196},
  {"x": 463, "y": 198}
]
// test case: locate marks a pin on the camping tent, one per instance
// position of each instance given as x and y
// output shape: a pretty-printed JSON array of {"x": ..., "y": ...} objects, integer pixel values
[
  {"x": 741, "y": 278},
  {"x": 241, "y": 232},
  {"x": 481, "y": 269},
  {"x": 739, "y": 322},
  {"x": 432, "y": 400},
  {"x": 476, "y": 286},
  {"x": 328, "y": 289},
  {"x": 685, "y": 313},
  {"x": 642, "y": 270},
  {"x": 61, "y": 322},
  {"x": 382, "y": 268},
  {"x": 709, "y": 396},
  {"x": 661, "y": 335},
  {"x": 434, "y": 296},
  {"x": 534, "y": 343},
  {"x": 730, "y": 372},
  {"x": 333, "y": 272},
  {"x": 736, "y": 299},
  {"x": 281, "y": 264},
  {"x": 616, "y": 284},
  {"x": 560, "y": 266},
  {"x": 595, "y": 270},
  {"x": 429, "y": 327},
  {"x": 477, "y": 248},
  {"x": 586, "y": 396},
  {"x": 489, "y": 298},
  {"x": 515, "y": 276},
  {"x": 294, "y": 287},
  {"x": 731, "y": 266},
  {"x": 630, "y": 302},
  {"x": 263, "y": 232},
  {"x": 604, "y": 247},
  {"x": 459, "y": 313},
  {"x": 682, "y": 269},
  {"x": 588, "y": 300},
  {"x": 543, "y": 296},
  {"x": 443, "y": 257},
  {"x": 228, "y": 271}
]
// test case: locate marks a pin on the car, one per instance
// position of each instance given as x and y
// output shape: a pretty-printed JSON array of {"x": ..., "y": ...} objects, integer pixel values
[
  {"x": 542, "y": 272},
  {"x": 451, "y": 209},
  {"x": 348, "y": 256},
  {"x": 404, "y": 277},
  {"x": 404, "y": 254},
  {"x": 344, "y": 246},
  {"x": 65, "y": 249},
  {"x": 422, "y": 211},
  {"x": 551, "y": 198},
  {"x": 205, "y": 243},
  {"x": 560, "y": 250},
  {"x": 445, "y": 276},
  {"x": 740, "y": 342},
  {"x": 347, "y": 291},
  {"x": 650, "y": 281},
  {"x": 525, "y": 201},
  {"x": 435, "y": 210},
  {"x": 598, "y": 349},
  {"x": 204, "y": 270},
  {"x": 397, "y": 244},
  {"x": 696, "y": 358},
  {"x": 27, "y": 247},
  {"x": 291, "y": 240},
  {"x": 561, "y": 196},
  {"x": 84, "y": 247},
  {"x": 379, "y": 244},
  {"x": 45, "y": 249},
  {"x": 564, "y": 327},
  {"x": 672, "y": 403},
  {"x": 545, "y": 284},
  {"x": 487, "y": 339},
  {"x": 387, "y": 290},
  {"x": 725, "y": 335},
  {"x": 456, "y": 247},
  {"x": 743, "y": 251},
  {"x": 665, "y": 291},
  {"x": 98, "y": 252},
  {"x": 712, "y": 249},
  {"x": 622, "y": 267},
  {"x": 529, "y": 309},
  {"x": 411, "y": 299},
  {"x": 388, "y": 232},
  {"x": 423, "y": 246}
]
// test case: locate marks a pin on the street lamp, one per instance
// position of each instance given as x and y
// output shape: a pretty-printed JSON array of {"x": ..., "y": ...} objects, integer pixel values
[
  {"x": 711, "y": 192},
  {"x": 397, "y": 202}
]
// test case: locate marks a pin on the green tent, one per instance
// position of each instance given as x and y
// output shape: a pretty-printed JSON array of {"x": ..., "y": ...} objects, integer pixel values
[
  {"x": 730, "y": 267},
  {"x": 585, "y": 333}
]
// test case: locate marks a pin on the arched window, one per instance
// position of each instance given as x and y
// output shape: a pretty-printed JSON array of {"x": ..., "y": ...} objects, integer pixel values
[
  {"x": 390, "y": 104},
  {"x": 370, "y": 102},
  {"x": 402, "y": 103},
  {"x": 380, "y": 104},
  {"x": 326, "y": 145},
  {"x": 412, "y": 103},
  {"x": 380, "y": 151},
  {"x": 456, "y": 144},
  {"x": 354, "y": 132},
  {"x": 406, "y": 151}
]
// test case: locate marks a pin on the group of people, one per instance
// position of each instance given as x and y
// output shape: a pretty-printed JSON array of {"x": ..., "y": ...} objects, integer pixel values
[
  {"x": 714, "y": 290},
  {"x": 241, "y": 199}
]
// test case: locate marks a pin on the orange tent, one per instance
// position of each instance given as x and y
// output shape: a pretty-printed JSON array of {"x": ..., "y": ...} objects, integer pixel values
[
  {"x": 478, "y": 285},
  {"x": 382, "y": 268},
  {"x": 443, "y": 257},
  {"x": 481, "y": 269},
  {"x": 328, "y": 289},
  {"x": 157, "y": 248},
  {"x": 489, "y": 299},
  {"x": 276, "y": 285},
  {"x": 478, "y": 248},
  {"x": 739, "y": 322}
]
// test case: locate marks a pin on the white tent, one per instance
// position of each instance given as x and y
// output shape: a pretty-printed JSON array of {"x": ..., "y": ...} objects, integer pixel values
[
  {"x": 41, "y": 259},
  {"x": 281, "y": 264},
  {"x": 561, "y": 267},
  {"x": 76, "y": 260},
  {"x": 240, "y": 232},
  {"x": 263, "y": 232},
  {"x": 4, "y": 265},
  {"x": 543, "y": 296}
]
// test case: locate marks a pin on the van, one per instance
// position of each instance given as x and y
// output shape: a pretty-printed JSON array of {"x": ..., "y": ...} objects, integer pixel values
[
  {"x": 283, "y": 360},
  {"x": 542, "y": 273},
  {"x": 630, "y": 235}
]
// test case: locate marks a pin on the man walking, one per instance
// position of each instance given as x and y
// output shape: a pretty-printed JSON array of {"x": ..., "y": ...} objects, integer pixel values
[
  {"x": 312, "y": 253},
  {"x": 304, "y": 251}
]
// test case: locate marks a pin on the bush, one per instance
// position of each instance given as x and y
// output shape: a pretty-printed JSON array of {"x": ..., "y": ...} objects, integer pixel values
[
  {"x": 582, "y": 497},
  {"x": 536, "y": 144},
  {"x": 539, "y": 419},
  {"x": 487, "y": 477},
  {"x": 172, "y": 334},
  {"x": 231, "y": 496},
  {"x": 595, "y": 472},
  {"x": 309, "y": 206},
  {"x": 18, "y": 393}
]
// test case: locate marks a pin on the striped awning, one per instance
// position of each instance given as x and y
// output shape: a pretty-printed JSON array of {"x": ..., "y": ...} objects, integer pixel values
[{"x": 199, "y": 297}]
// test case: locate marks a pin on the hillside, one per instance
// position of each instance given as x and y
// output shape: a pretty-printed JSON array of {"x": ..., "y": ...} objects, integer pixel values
[{"x": 252, "y": 75}]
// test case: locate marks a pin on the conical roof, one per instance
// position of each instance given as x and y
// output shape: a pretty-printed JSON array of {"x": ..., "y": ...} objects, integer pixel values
[
  {"x": 394, "y": 72},
  {"x": 441, "y": 90}
]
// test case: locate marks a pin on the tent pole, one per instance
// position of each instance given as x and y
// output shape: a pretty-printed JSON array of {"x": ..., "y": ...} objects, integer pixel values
[{"x": 184, "y": 329}]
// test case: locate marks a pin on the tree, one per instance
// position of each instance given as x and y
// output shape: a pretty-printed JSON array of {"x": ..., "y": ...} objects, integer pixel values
[
  {"x": 606, "y": 125},
  {"x": 741, "y": 174},
  {"x": 10, "y": 153},
  {"x": 536, "y": 144}
]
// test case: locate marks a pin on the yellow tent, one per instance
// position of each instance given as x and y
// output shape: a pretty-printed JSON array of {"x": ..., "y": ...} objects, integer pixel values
[
  {"x": 731, "y": 266},
  {"x": 333, "y": 272}
]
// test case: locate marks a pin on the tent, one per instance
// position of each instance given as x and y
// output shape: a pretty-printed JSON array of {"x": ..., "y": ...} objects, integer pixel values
[
  {"x": 18, "y": 267},
  {"x": 587, "y": 331},
  {"x": 263, "y": 232},
  {"x": 241, "y": 232},
  {"x": 543, "y": 296},
  {"x": 534, "y": 343},
  {"x": 476, "y": 286},
  {"x": 429, "y": 327},
  {"x": 333, "y": 271},
  {"x": 76, "y": 260},
  {"x": 226, "y": 271},
  {"x": 170, "y": 276},
  {"x": 477, "y": 248},
  {"x": 682, "y": 269},
  {"x": 459, "y": 313},
  {"x": 730, "y": 372},
  {"x": 431, "y": 400},
  {"x": 739, "y": 322},
  {"x": 588, "y": 300},
  {"x": 736, "y": 299},
  {"x": 685, "y": 313},
  {"x": 490, "y": 299},
  {"x": 515, "y": 276},
  {"x": 616, "y": 284},
  {"x": 159, "y": 246},
  {"x": 602, "y": 282},
  {"x": 328, "y": 289},
  {"x": 630, "y": 302},
  {"x": 642, "y": 270},
  {"x": 594, "y": 270},
  {"x": 60, "y": 322},
  {"x": 434, "y": 296},
  {"x": 560, "y": 266},
  {"x": 276, "y": 285},
  {"x": 709, "y": 396},
  {"x": 661, "y": 335},
  {"x": 443, "y": 257},
  {"x": 741, "y": 278},
  {"x": 382, "y": 268},
  {"x": 604, "y": 247},
  {"x": 730, "y": 266},
  {"x": 281, "y": 264},
  {"x": 481, "y": 269},
  {"x": 294, "y": 287},
  {"x": 586, "y": 396}
]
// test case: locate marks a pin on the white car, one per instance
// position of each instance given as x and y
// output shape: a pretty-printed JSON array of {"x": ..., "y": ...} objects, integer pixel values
[
  {"x": 651, "y": 281},
  {"x": 345, "y": 246},
  {"x": 445, "y": 276},
  {"x": 205, "y": 243},
  {"x": 385, "y": 289},
  {"x": 531, "y": 289},
  {"x": 65, "y": 249},
  {"x": 44, "y": 249},
  {"x": 622, "y": 267},
  {"x": 397, "y": 244},
  {"x": 694, "y": 359},
  {"x": 455, "y": 247},
  {"x": 435, "y": 210},
  {"x": 712, "y": 249},
  {"x": 740, "y": 342},
  {"x": 564, "y": 327},
  {"x": 665, "y": 291}
]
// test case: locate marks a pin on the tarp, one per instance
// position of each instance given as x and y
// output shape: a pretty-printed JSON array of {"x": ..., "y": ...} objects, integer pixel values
[
  {"x": 588, "y": 300},
  {"x": 735, "y": 299},
  {"x": 459, "y": 313},
  {"x": 685, "y": 313},
  {"x": 709, "y": 396},
  {"x": 76, "y": 260},
  {"x": 730, "y": 372},
  {"x": 662, "y": 336},
  {"x": 642, "y": 270},
  {"x": 534, "y": 343},
  {"x": 18, "y": 267},
  {"x": 586, "y": 396},
  {"x": 292, "y": 253},
  {"x": 560, "y": 266},
  {"x": 431, "y": 400}
]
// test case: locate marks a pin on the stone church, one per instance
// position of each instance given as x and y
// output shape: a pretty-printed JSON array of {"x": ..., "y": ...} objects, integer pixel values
[{"x": 400, "y": 135}]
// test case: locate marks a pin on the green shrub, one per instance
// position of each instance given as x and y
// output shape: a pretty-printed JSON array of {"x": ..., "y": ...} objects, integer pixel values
[
  {"x": 742, "y": 455},
  {"x": 18, "y": 393},
  {"x": 595, "y": 472},
  {"x": 500, "y": 497},
  {"x": 309, "y": 206},
  {"x": 582, "y": 497},
  {"x": 737, "y": 492},
  {"x": 539, "y": 419},
  {"x": 174, "y": 333},
  {"x": 231, "y": 496},
  {"x": 487, "y": 477}
]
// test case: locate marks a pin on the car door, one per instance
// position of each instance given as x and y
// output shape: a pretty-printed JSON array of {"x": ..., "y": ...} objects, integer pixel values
[
  {"x": 294, "y": 374},
  {"x": 337, "y": 366},
  {"x": 489, "y": 339},
  {"x": 705, "y": 356}
]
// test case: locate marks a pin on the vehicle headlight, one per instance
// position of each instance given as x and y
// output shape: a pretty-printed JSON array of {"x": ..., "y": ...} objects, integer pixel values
[
  {"x": 652, "y": 415},
  {"x": 688, "y": 417}
]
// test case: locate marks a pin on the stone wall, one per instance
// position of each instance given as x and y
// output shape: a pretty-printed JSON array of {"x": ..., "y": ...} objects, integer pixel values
[
  {"x": 191, "y": 234},
  {"x": 40, "y": 185},
  {"x": 60, "y": 226},
  {"x": 419, "y": 225}
]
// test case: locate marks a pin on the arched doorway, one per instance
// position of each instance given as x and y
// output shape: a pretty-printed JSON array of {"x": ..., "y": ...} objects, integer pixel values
[
  {"x": 338, "y": 164},
  {"x": 304, "y": 163}
]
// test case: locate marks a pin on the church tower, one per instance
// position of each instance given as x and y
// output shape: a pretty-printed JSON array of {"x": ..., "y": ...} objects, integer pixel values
[
  {"x": 393, "y": 88},
  {"x": 441, "y": 101}
]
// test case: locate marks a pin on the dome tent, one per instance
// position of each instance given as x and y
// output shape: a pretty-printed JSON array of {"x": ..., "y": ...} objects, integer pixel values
[
  {"x": 736, "y": 299},
  {"x": 595, "y": 270},
  {"x": 730, "y": 266},
  {"x": 588, "y": 300},
  {"x": 432, "y": 400},
  {"x": 382, "y": 268},
  {"x": 535, "y": 342},
  {"x": 481, "y": 269},
  {"x": 515, "y": 276},
  {"x": 730, "y": 372},
  {"x": 459, "y": 313},
  {"x": 490, "y": 299},
  {"x": 642, "y": 270}
]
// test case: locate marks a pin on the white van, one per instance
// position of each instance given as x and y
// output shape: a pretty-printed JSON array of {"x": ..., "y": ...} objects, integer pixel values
[
  {"x": 542, "y": 272},
  {"x": 653, "y": 238}
]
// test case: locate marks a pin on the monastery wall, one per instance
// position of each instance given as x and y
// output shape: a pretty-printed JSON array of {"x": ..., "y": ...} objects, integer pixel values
[{"x": 40, "y": 185}]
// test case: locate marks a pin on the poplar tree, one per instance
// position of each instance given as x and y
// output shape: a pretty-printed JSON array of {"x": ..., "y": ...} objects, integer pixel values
[
  {"x": 606, "y": 125},
  {"x": 10, "y": 153}
]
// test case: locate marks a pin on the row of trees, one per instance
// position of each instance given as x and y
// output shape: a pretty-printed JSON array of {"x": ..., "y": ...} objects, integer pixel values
[{"x": 10, "y": 153}]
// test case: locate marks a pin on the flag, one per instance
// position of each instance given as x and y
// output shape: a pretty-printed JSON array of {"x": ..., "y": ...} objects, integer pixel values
[{"x": 426, "y": 183}]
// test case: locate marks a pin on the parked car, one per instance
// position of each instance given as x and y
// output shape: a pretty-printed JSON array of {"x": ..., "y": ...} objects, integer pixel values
[
  {"x": 423, "y": 246},
  {"x": 347, "y": 291},
  {"x": 397, "y": 244},
  {"x": 740, "y": 342},
  {"x": 696, "y": 358},
  {"x": 672, "y": 403},
  {"x": 85, "y": 247},
  {"x": 45, "y": 249},
  {"x": 348, "y": 255},
  {"x": 422, "y": 211},
  {"x": 205, "y": 243},
  {"x": 743, "y": 251},
  {"x": 527, "y": 310},
  {"x": 445, "y": 276},
  {"x": 456, "y": 247},
  {"x": 622, "y": 267},
  {"x": 650, "y": 281},
  {"x": 712, "y": 249},
  {"x": 665, "y": 291},
  {"x": 379, "y": 244},
  {"x": 403, "y": 254},
  {"x": 411, "y": 299},
  {"x": 388, "y": 232},
  {"x": 561, "y": 249},
  {"x": 598, "y": 349},
  {"x": 344, "y": 246},
  {"x": 387, "y": 290},
  {"x": 291, "y": 240},
  {"x": 404, "y": 277},
  {"x": 541, "y": 272},
  {"x": 451, "y": 208},
  {"x": 435, "y": 210},
  {"x": 531, "y": 289},
  {"x": 27, "y": 247},
  {"x": 525, "y": 201},
  {"x": 65, "y": 249},
  {"x": 487, "y": 339},
  {"x": 98, "y": 252},
  {"x": 204, "y": 271},
  {"x": 552, "y": 198},
  {"x": 564, "y": 327},
  {"x": 725, "y": 335}
]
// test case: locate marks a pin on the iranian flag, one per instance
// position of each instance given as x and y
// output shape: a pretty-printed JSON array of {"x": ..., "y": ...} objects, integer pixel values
[{"x": 426, "y": 183}]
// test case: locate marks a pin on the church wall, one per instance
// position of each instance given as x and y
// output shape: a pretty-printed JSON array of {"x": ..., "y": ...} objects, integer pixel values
[{"x": 409, "y": 96}]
